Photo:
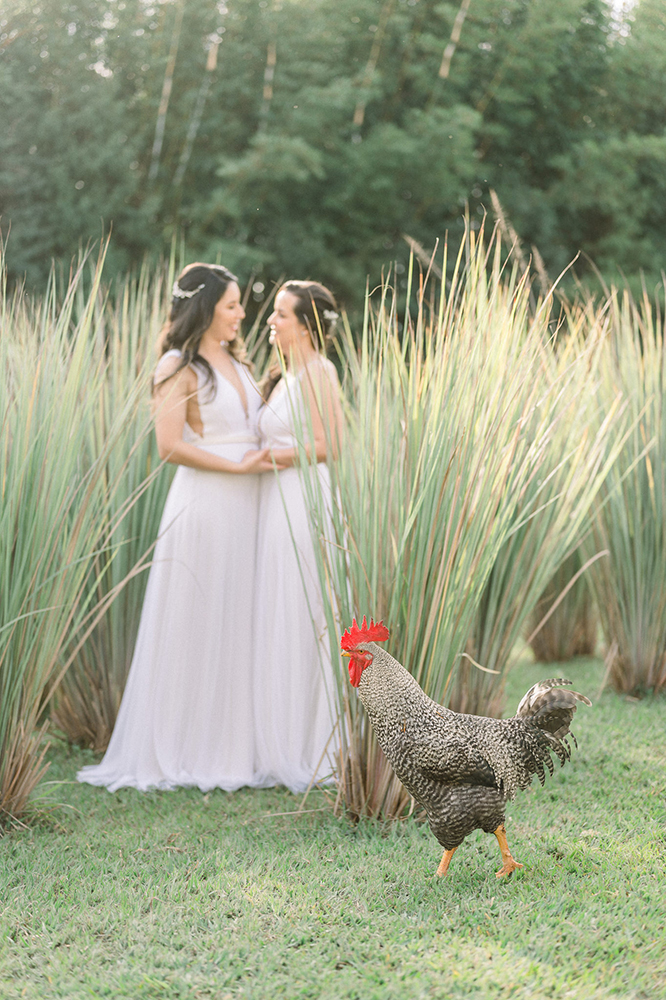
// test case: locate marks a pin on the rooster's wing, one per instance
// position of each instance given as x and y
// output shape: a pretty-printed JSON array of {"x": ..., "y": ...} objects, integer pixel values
[{"x": 445, "y": 759}]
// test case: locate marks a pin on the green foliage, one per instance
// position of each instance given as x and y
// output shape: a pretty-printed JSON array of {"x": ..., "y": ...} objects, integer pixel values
[
  {"x": 68, "y": 152},
  {"x": 177, "y": 894},
  {"x": 630, "y": 585},
  {"x": 611, "y": 195},
  {"x": 354, "y": 141}
]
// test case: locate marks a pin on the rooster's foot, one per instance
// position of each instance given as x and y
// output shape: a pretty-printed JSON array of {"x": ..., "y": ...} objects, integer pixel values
[
  {"x": 446, "y": 859},
  {"x": 509, "y": 866},
  {"x": 509, "y": 863}
]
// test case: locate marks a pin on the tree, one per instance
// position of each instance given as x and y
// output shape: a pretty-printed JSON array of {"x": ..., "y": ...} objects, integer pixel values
[
  {"x": 70, "y": 152},
  {"x": 308, "y": 139}
]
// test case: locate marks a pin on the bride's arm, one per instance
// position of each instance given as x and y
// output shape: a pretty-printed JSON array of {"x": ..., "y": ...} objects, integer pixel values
[
  {"x": 321, "y": 392},
  {"x": 170, "y": 412}
]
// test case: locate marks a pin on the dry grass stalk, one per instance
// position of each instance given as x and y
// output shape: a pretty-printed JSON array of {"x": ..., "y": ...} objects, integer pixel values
[{"x": 572, "y": 628}]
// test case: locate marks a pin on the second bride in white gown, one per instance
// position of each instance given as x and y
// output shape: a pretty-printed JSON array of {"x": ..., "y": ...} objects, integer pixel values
[
  {"x": 186, "y": 714},
  {"x": 294, "y": 687}
]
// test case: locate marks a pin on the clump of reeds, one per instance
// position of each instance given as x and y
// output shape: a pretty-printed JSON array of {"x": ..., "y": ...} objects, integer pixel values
[
  {"x": 53, "y": 511},
  {"x": 630, "y": 521},
  {"x": 469, "y": 467},
  {"x": 580, "y": 424},
  {"x": 87, "y": 702}
]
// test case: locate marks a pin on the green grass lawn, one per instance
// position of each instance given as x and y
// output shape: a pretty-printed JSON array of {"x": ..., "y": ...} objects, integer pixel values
[{"x": 180, "y": 894}]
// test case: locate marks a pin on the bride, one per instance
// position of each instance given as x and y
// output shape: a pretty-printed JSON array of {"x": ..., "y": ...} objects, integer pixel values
[
  {"x": 186, "y": 714},
  {"x": 301, "y": 423}
]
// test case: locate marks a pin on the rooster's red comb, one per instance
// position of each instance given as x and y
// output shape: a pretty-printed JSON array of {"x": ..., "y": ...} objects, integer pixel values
[{"x": 374, "y": 632}]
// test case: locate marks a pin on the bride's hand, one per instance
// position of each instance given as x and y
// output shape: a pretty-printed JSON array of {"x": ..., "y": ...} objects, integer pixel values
[{"x": 257, "y": 461}]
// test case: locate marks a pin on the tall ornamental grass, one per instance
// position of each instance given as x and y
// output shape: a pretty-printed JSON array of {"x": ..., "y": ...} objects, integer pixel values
[
  {"x": 58, "y": 510},
  {"x": 572, "y": 622},
  {"x": 520, "y": 598},
  {"x": 467, "y": 453},
  {"x": 630, "y": 521},
  {"x": 127, "y": 329}
]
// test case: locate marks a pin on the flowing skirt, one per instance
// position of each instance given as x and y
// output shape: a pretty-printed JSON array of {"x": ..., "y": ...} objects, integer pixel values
[
  {"x": 186, "y": 713},
  {"x": 294, "y": 691}
]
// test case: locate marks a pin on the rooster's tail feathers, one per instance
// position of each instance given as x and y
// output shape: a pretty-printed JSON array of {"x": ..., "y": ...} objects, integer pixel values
[{"x": 551, "y": 707}]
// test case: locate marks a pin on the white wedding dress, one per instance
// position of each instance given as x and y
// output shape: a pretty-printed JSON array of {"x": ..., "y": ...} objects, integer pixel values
[
  {"x": 186, "y": 713},
  {"x": 294, "y": 705}
]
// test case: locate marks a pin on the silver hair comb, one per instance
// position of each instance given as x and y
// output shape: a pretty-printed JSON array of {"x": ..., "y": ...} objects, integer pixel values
[{"x": 179, "y": 293}]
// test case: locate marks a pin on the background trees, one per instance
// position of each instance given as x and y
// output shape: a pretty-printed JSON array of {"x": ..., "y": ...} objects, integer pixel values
[{"x": 309, "y": 137}]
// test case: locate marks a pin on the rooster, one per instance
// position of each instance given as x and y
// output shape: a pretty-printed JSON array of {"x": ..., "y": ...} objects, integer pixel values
[{"x": 462, "y": 769}]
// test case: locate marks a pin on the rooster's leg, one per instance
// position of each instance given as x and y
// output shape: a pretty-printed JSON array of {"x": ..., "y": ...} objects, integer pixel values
[
  {"x": 509, "y": 864},
  {"x": 446, "y": 860}
]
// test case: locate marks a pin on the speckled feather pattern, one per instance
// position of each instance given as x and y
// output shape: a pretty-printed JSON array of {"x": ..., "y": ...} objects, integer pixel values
[{"x": 462, "y": 769}]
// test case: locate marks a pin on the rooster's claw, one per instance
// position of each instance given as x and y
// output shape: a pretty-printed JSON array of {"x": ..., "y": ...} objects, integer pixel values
[{"x": 508, "y": 867}]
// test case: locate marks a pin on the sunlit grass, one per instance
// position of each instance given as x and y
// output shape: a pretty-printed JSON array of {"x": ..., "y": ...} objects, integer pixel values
[{"x": 191, "y": 895}]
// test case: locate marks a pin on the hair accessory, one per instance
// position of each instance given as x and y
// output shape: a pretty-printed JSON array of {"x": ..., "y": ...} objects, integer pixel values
[
  {"x": 330, "y": 315},
  {"x": 179, "y": 293}
]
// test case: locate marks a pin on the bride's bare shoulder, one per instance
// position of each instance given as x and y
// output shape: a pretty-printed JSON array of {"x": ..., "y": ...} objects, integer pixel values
[
  {"x": 169, "y": 364},
  {"x": 320, "y": 369}
]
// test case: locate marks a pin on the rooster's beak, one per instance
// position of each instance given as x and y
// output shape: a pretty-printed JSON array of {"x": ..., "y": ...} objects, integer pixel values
[{"x": 345, "y": 653}]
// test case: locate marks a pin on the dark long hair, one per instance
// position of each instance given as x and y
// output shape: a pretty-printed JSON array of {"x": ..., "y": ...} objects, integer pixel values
[
  {"x": 317, "y": 310},
  {"x": 189, "y": 318}
]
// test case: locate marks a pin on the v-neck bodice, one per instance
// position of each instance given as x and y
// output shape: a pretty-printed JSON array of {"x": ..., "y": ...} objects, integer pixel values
[
  {"x": 284, "y": 420},
  {"x": 223, "y": 414}
]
